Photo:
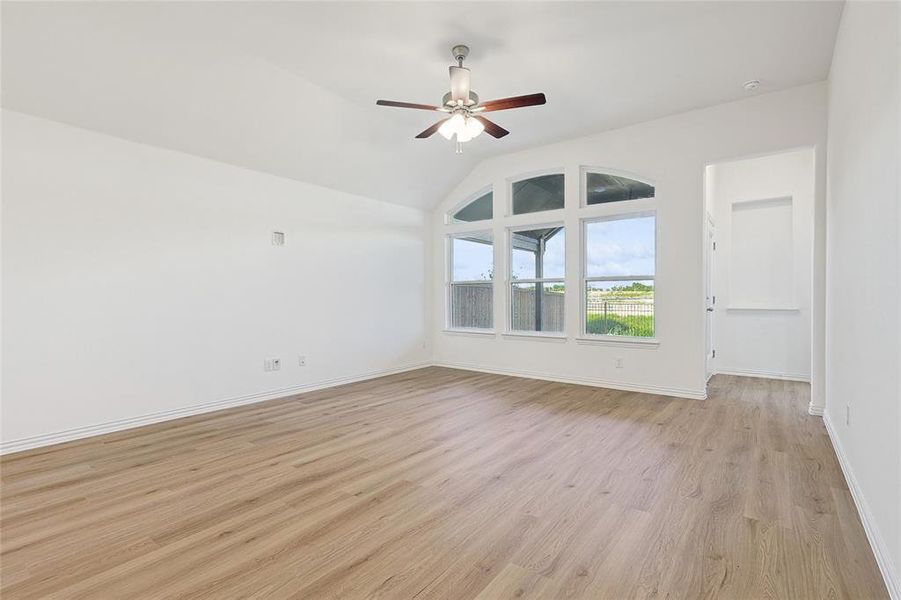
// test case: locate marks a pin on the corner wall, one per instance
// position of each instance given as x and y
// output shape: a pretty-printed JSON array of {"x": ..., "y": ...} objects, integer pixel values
[
  {"x": 672, "y": 152},
  {"x": 863, "y": 280},
  {"x": 141, "y": 284}
]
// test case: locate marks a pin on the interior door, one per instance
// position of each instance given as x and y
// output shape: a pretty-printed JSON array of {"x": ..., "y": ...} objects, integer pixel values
[{"x": 710, "y": 295}]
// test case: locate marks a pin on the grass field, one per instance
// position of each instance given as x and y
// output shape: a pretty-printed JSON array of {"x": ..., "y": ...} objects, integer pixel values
[{"x": 633, "y": 325}]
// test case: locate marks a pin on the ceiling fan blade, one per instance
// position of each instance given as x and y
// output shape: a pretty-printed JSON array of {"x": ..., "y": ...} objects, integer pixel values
[
  {"x": 407, "y": 105},
  {"x": 431, "y": 130},
  {"x": 514, "y": 102},
  {"x": 491, "y": 128}
]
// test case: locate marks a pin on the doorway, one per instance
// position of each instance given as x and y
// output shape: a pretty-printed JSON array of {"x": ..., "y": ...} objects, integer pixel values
[{"x": 758, "y": 265}]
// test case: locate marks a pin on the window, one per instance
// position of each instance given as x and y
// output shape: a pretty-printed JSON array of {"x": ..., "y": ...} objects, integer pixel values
[
  {"x": 470, "y": 288},
  {"x": 537, "y": 265},
  {"x": 544, "y": 192},
  {"x": 601, "y": 188},
  {"x": 480, "y": 209},
  {"x": 619, "y": 268}
]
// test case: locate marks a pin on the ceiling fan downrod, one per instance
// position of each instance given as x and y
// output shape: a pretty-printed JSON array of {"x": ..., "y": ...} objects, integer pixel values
[{"x": 460, "y": 53}]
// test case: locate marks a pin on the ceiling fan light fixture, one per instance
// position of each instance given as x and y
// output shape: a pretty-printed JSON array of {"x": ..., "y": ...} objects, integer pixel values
[
  {"x": 474, "y": 127},
  {"x": 452, "y": 126},
  {"x": 446, "y": 130},
  {"x": 462, "y": 126}
]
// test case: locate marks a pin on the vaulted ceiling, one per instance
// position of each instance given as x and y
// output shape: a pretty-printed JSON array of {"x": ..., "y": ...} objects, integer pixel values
[{"x": 290, "y": 88}]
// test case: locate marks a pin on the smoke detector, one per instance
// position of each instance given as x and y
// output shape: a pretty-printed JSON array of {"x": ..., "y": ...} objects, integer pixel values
[{"x": 752, "y": 85}]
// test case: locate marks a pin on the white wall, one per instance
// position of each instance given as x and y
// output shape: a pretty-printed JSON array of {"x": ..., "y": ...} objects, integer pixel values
[
  {"x": 762, "y": 331},
  {"x": 672, "y": 152},
  {"x": 862, "y": 337},
  {"x": 140, "y": 281}
]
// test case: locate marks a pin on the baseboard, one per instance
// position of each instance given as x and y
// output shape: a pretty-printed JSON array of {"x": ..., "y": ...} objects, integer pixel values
[
  {"x": 764, "y": 374},
  {"x": 883, "y": 559},
  {"x": 616, "y": 385},
  {"x": 68, "y": 435},
  {"x": 813, "y": 409}
]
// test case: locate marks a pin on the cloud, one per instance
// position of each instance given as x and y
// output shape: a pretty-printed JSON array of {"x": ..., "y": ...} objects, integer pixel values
[{"x": 611, "y": 258}]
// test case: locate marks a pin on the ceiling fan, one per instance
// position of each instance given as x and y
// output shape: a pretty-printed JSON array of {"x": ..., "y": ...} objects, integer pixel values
[{"x": 465, "y": 120}]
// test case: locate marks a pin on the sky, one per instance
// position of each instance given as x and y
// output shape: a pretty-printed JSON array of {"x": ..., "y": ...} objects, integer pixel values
[
  {"x": 621, "y": 247},
  {"x": 615, "y": 248},
  {"x": 472, "y": 260},
  {"x": 554, "y": 259}
]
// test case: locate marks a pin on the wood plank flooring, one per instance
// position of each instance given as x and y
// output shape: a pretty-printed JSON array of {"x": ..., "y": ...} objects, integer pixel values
[{"x": 446, "y": 484}]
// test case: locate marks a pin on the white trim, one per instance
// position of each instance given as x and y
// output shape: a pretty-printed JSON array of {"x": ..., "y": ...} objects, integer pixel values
[
  {"x": 535, "y": 335},
  {"x": 708, "y": 258},
  {"x": 611, "y": 209},
  {"x": 68, "y": 435},
  {"x": 880, "y": 551},
  {"x": 528, "y": 220},
  {"x": 464, "y": 228},
  {"x": 763, "y": 374},
  {"x": 815, "y": 410},
  {"x": 617, "y": 340},
  {"x": 763, "y": 308},
  {"x": 470, "y": 332},
  {"x": 603, "y": 383}
]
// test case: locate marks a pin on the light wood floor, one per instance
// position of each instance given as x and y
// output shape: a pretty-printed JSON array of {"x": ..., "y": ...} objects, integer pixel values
[{"x": 447, "y": 484}]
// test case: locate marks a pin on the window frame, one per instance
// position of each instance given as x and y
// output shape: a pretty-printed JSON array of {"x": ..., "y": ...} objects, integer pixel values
[
  {"x": 510, "y": 282},
  {"x": 583, "y": 185},
  {"x": 531, "y": 175},
  {"x": 449, "y": 215},
  {"x": 449, "y": 278},
  {"x": 584, "y": 279}
]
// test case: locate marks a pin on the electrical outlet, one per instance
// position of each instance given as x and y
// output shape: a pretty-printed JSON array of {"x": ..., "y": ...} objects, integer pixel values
[
  {"x": 272, "y": 364},
  {"x": 848, "y": 415},
  {"x": 619, "y": 363},
  {"x": 302, "y": 361}
]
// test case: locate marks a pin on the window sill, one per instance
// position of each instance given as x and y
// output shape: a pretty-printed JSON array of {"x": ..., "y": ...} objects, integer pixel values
[
  {"x": 616, "y": 340},
  {"x": 544, "y": 337},
  {"x": 480, "y": 333},
  {"x": 763, "y": 309}
]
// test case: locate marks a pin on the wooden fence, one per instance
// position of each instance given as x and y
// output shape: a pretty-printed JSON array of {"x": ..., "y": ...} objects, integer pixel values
[
  {"x": 471, "y": 306},
  {"x": 524, "y": 310}
]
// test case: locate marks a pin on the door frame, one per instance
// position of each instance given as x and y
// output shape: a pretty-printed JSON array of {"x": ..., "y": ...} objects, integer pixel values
[{"x": 709, "y": 296}]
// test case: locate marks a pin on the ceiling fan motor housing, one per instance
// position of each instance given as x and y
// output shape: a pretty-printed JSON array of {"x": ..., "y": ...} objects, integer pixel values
[
  {"x": 448, "y": 99},
  {"x": 459, "y": 84}
]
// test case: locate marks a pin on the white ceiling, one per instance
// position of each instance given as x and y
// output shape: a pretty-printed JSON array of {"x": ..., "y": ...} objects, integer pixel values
[{"x": 290, "y": 88}]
